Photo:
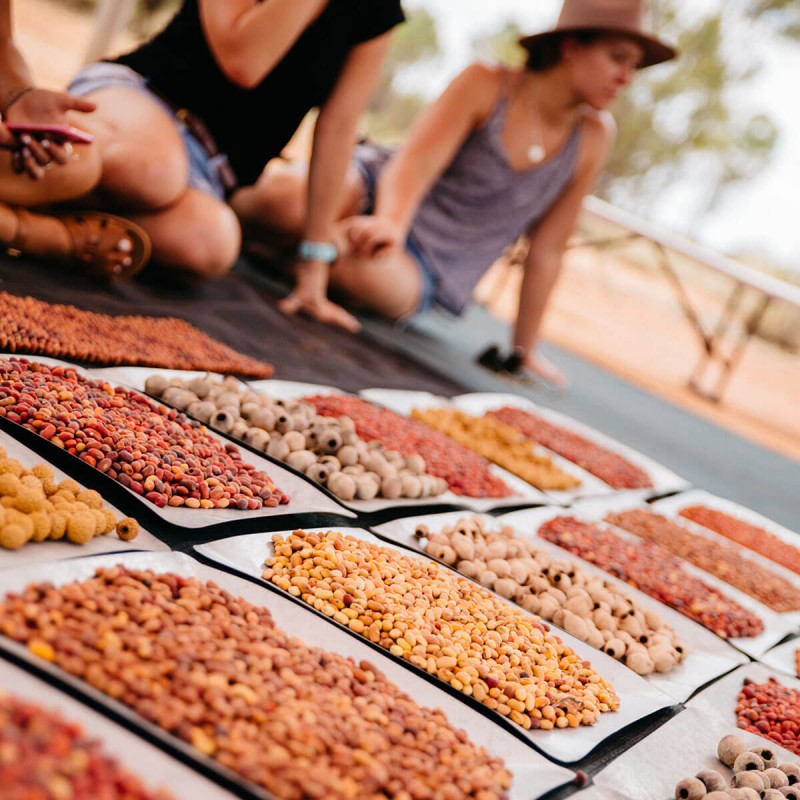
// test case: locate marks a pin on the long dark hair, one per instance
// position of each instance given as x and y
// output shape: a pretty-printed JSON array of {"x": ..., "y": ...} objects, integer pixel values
[{"x": 545, "y": 53}]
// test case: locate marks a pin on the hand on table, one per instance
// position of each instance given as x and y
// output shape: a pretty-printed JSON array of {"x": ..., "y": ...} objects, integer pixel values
[{"x": 372, "y": 237}]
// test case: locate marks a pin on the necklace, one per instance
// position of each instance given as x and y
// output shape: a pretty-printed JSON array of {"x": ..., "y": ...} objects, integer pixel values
[{"x": 536, "y": 152}]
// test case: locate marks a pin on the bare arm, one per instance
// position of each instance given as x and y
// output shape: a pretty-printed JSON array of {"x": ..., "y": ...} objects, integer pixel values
[
  {"x": 543, "y": 264},
  {"x": 14, "y": 73},
  {"x": 334, "y": 137},
  {"x": 248, "y": 38}
]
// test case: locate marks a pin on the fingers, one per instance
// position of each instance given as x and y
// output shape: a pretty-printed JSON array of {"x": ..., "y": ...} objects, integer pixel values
[
  {"x": 7, "y": 139},
  {"x": 72, "y": 103},
  {"x": 323, "y": 311},
  {"x": 24, "y": 162},
  {"x": 62, "y": 153}
]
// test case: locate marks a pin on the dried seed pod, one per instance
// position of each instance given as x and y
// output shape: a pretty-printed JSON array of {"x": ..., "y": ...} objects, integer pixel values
[
  {"x": 329, "y": 440},
  {"x": 347, "y": 455},
  {"x": 416, "y": 463},
  {"x": 748, "y": 761},
  {"x": 239, "y": 429},
  {"x": 127, "y": 529},
  {"x": 772, "y": 794},
  {"x": 262, "y": 418},
  {"x": 582, "y": 606},
  {"x": 769, "y": 756},
  {"x": 639, "y": 661},
  {"x": 790, "y": 792},
  {"x": 662, "y": 657},
  {"x": 575, "y": 625},
  {"x": 223, "y": 420},
  {"x": 444, "y": 553},
  {"x": 343, "y": 486},
  {"x": 248, "y": 408},
  {"x": 179, "y": 398},
  {"x": 506, "y": 587},
  {"x": 367, "y": 489},
  {"x": 690, "y": 789},
  {"x": 284, "y": 422},
  {"x": 258, "y": 438},
  {"x": 412, "y": 486},
  {"x": 294, "y": 440},
  {"x": 792, "y": 772},
  {"x": 391, "y": 487},
  {"x": 201, "y": 410},
  {"x": 156, "y": 385},
  {"x": 227, "y": 399},
  {"x": 349, "y": 438},
  {"x": 712, "y": 780},
  {"x": 499, "y": 566},
  {"x": 300, "y": 459},
  {"x": 740, "y": 794},
  {"x": 468, "y": 568},
  {"x": 777, "y": 779},
  {"x": 200, "y": 386},
  {"x": 317, "y": 472},
  {"x": 729, "y": 748},
  {"x": 277, "y": 448},
  {"x": 345, "y": 423}
]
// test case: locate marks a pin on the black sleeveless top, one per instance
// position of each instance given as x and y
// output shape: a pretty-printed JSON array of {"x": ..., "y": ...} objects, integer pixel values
[{"x": 253, "y": 125}]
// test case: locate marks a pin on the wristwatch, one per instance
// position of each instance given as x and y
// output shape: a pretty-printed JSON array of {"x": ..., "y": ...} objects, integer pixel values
[{"x": 326, "y": 252}]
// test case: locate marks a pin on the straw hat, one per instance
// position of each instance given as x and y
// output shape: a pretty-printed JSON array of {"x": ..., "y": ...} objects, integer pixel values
[{"x": 618, "y": 16}]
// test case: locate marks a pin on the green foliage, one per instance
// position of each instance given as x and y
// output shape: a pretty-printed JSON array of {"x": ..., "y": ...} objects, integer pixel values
[
  {"x": 501, "y": 45},
  {"x": 393, "y": 108}
]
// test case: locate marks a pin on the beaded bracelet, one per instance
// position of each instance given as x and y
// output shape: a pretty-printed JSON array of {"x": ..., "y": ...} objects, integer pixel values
[{"x": 13, "y": 97}]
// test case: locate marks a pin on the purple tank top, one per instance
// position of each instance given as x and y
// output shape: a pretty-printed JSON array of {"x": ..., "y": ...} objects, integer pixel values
[{"x": 481, "y": 205}]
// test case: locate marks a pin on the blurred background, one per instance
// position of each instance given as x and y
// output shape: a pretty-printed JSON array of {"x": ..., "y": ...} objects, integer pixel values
[{"x": 708, "y": 148}]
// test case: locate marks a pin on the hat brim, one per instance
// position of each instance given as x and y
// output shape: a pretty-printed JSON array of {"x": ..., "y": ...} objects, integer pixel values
[{"x": 655, "y": 50}]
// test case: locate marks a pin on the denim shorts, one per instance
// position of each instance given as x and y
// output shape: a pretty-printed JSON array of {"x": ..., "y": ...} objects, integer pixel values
[
  {"x": 368, "y": 170},
  {"x": 203, "y": 168}
]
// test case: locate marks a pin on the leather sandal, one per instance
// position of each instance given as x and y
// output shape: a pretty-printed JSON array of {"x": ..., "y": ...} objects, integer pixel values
[{"x": 95, "y": 238}]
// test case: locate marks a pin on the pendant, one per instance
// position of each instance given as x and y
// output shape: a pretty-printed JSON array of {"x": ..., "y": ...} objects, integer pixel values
[{"x": 536, "y": 154}]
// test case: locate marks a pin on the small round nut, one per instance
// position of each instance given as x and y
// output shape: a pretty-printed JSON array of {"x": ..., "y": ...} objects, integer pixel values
[{"x": 690, "y": 789}]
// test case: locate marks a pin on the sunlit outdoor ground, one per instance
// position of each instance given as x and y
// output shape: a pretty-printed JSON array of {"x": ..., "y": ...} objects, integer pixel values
[{"x": 621, "y": 316}]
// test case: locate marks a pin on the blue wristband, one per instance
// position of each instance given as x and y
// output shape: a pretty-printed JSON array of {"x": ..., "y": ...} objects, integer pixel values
[{"x": 317, "y": 251}]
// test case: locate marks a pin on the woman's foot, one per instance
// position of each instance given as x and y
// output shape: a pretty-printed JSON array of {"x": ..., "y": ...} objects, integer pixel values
[{"x": 546, "y": 371}]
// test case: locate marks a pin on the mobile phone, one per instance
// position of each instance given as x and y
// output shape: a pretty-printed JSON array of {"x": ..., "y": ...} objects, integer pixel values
[{"x": 59, "y": 133}]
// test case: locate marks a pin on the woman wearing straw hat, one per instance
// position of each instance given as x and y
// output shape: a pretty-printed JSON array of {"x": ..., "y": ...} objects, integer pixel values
[{"x": 501, "y": 152}]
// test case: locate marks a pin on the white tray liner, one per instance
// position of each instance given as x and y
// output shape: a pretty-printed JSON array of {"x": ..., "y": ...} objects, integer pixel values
[
  {"x": 529, "y": 768},
  {"x": 638, "y": 698},
  {"x": 709, "y": 655},
  {"x": 664, "y": 480},
  {"x": 154, "y": 767},
  {"x": 781, "y": 658},
  {"x": 776, "y": 626},
  {"x": 39, "y": 552}
]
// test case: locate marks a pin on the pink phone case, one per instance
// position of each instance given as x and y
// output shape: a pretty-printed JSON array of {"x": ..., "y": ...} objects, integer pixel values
[{"x": 62, "y": 133}]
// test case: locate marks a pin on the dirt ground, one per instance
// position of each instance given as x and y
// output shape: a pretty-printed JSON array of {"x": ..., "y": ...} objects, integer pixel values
[{"x": 616, "y": 314}]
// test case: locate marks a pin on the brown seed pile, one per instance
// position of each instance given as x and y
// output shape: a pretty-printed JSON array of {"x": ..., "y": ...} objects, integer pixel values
[
  {"x": 607, "y": 465},
  {"x": 722, "y": 560},
  {"x": 754, "y": 537},
  {"x": 770, "y": 709},
  {"x": 588, "y": 607},
  {"x": 501, "y": 444},
  {"x": 60, "y": 331},
  {"x": 326, "y": 449},
  {"x": 656, "y": 572},
  {"x": 45, "y": 757},
  {"x": 214, "y": 670},
  {"x": 152, "y": 450},
  {"x": 33, "y": 508},
  {"x": 444, "y": 624}
]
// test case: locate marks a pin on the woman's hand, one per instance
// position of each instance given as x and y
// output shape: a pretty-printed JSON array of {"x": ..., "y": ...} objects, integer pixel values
[
  {"x": 310, "y": 297},
  {"x": 35, "y": 154},
  {"x": 372, "y": 237}
]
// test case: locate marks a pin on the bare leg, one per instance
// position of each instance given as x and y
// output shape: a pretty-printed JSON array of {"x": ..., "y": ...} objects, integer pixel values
[{"x": 198, "y": 236}]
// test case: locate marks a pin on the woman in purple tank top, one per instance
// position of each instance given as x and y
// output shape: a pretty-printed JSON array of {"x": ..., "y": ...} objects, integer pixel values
[{"x": 500, "y": 153}]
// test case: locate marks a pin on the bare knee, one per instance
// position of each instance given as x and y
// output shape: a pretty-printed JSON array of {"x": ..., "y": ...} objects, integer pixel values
[
  {"x": 143, "y": 177},
  {"x": 277, "y": 202},
  {"x": 207, "y": 249}
]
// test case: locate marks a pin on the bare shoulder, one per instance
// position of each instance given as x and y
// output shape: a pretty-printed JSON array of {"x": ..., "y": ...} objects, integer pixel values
[
  {"x": 599, "y": 133},
  {"x": 480, "y": 85}
]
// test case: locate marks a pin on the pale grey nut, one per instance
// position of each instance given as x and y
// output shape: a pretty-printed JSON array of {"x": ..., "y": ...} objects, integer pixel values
[
  {"x": 248, "y": 409},
  {"x": 773, "y": 794},
  {"x": 176, "y": 382},
  {"x": 347, "y": 455},
  {"x": 792, "y": 772},
  {"x": 750, "y": 780},
  {"x": 223, "y": 420},
  {"x": 394, "y": 457},
  {"x": 748, "y": 761},
  {"x": 346, "y": 423},
  {"x": 294, "y": 440},
  {"x": 791, "y": 792},
  {"x": 262, "y": 418},
  {"x": 301, "y": 459},
  {"x": 331, "y": 462},
  {"x": 228, "y": 399},
  {"x": 178, "y": 398},
  {"x": 690, "y": 789},
  {"x": 416, "y": 463},
  {"x": 258, "y": 438},
  {"x": 329, "y": 440},
  {"x": 277, "y": 448},
  {"x": 743, "y": 794},
  {"x": 254, "y": 397},
  {"x": 201, "y": 410},
  {"x": 768, "y": 754},
  {"x": 712, "y": 780},
  {"x": 366, "y": 487},
  {"x": 777, "y": 779},
  {"x": 358, "y": 469},
  {"x": 506, "y": 587},
  {"x": 318, "y": 472},
  {"x": 200, "y": 386},
  {"x": 728, "y": 748},
  {"x": 156, "y": 385},
  {"x": 412, "y": 486},
  {"x": 239, "y": 429},
  {"x": 349, "y": 437},
  {"x": 391, "y": 487},
  {"x": 343, "y": 486},
  {"x": 284, "y": 422}
]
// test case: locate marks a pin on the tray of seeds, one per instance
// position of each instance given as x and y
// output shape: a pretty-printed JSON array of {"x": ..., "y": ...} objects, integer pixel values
[
  {"x": 744, "y": 622},
  {"x": 74, "y": 752},
  {"x": 270, "y": 418},
  {"x": 737, "y": 524},
  {"x": 758, "y": 577},
  {"x": 46, "y": 516},
  {"x": 785, "y": 658},
  {"x": 673, "y": 653},
  {"x": 700, "y": 753},
  {"x": 502, "y": 660},
  {"x": 473, "y": 481},
  {"x": 502, "y": 445},
  {"x": 619, "y": 466},
  {"x": 186, "y": 474},
  {"x": 253, "y": 686}
]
